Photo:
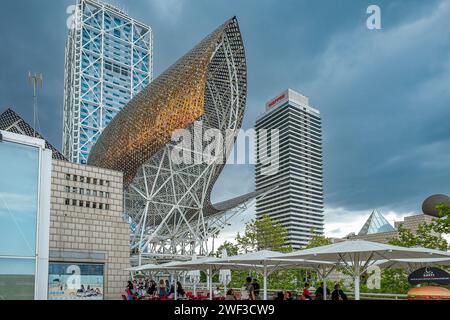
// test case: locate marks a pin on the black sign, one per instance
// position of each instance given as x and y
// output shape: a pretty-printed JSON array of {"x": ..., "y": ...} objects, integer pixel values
[{"x": 429, "y": 274}]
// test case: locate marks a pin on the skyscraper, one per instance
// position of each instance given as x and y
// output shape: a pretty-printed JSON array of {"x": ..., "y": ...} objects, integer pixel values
[
  {"x": 108, "y": 60},
  {"x": 297, "y": 200}
]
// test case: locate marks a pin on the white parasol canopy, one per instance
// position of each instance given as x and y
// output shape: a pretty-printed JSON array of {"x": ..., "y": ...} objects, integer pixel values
[{"x": 358, "y": 255}]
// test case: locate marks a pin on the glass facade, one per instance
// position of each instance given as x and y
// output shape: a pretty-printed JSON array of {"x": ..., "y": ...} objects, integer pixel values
[
  {"x": 19, "y": 185},
  {"x": 376, "y": 223},
  {"x": 108, "y": 61},
  {"x": 75, "y": 281}
]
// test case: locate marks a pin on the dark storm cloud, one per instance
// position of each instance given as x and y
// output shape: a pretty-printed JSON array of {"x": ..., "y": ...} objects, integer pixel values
[{"x": 384, "y": 95}]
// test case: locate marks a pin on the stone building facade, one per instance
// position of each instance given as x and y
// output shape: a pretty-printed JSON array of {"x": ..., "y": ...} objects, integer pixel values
[{"x": 86, "y": 224}]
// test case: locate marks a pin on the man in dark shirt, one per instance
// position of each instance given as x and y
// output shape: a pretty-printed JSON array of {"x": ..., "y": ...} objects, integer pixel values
[
  {"x": 319, "y": 292},
  {"x": 256, "y": 288},
  {"x": 338, "y": 294}
]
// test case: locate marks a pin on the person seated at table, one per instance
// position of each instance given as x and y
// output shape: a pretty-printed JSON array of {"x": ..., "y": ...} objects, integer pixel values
[
  {"x": 306, "y": 292},
  {"x": 319, "y": 292},
  {"x": 338, "y": 294},
  {"x": 230, "y": 295},
  {"x": 217, "y": 293},
  {"x": 288, "y": 295},
  {"x": 279, "y": 296}
]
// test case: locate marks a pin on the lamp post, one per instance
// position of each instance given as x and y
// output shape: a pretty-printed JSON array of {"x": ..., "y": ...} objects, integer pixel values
[{"x": 35, "y": 80}]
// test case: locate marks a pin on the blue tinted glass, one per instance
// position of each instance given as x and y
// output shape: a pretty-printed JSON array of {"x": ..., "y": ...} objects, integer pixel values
[
  {"x": 19, "y": 169},
  {"x": 17, "y": 279}
]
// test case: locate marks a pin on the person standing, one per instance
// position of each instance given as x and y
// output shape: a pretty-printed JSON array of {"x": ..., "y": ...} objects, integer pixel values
[
  {"x": 256, "y": 288},
  {"x": 162, "y": 288},
  {"x": 129, "y": 290},
  {"x": 248, "y": 291}
]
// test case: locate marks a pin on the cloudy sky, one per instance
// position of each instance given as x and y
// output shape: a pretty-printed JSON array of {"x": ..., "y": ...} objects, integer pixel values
[{"x": 384, "y": 94}]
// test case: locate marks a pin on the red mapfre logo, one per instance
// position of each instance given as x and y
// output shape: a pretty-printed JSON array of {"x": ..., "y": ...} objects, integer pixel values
[{"x": 271, "y": 103}]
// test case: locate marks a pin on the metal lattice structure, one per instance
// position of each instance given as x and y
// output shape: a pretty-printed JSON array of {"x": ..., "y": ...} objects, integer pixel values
[
  {"x": 168, "y": 202},
  {"x": 108, "y": 61}
]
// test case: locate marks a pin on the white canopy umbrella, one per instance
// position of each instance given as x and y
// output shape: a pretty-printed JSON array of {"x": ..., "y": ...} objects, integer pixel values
[
  {"x": 413, "y": 264},
  {"x": 263, "y": 261},
  {"x": 263, "y": 258},
  {"x": 358, "y": 255},
  {"x": 194, "y": 275}
]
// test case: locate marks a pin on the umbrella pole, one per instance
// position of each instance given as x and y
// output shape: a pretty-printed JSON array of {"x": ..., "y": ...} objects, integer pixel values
[
  {"x": 357, "y": 277},
  {"x": 210, "y": 284},
  {"x": 175, "y": 286},
  {"x": 265, "y": 281},
  {"x": 324, "y": 288}
]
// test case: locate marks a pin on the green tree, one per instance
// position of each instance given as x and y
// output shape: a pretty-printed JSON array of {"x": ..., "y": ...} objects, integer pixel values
[
  {"x": 231, "y": 248},
  {"x": 425, "y": 236},
  {"x": 317, "y": 241},
  {"x": 441, "y": 224},
  {"x": 263, "y": 234}
]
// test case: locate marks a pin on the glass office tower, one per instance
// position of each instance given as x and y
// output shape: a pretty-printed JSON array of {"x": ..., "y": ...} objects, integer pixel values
[{"x": 108, "y": 61}]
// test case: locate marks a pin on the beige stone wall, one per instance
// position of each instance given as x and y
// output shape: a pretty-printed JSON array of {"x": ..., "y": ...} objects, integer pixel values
[
  {"x": 88, "y": 234},
  {"x": 413, "y": 222}
]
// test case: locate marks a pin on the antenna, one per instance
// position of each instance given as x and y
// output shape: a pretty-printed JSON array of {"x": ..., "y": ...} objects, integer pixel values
[{"x": 36, "y": 80}]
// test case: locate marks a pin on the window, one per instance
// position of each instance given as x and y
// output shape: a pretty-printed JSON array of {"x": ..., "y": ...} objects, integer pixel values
[
  {"x": 74, "y": 178},
  {"x": 101, "y": 182},
  {"x": 74, "y": 202},
  {"x": 88, "y": 180},
  {"x": 81, "y": 179},
  {"x": 94, "y": 205},
  {"x": 81, "y": 191},
  {"x": 101, "y": 193},
  {"x": 107, "y": 183},
  {"x": 88, "y": 192},
  {"x": 88, "y": 204},
  {"x": 107, "y": 206},
  {"x": 100, "y": 205},
  {"x": 107, "y": 194},
  {"x": 94, "y": 181},
  {"x": 19, "y": 179},
  {"x": 67, "y": 189},
  {"x": 81, "y": 203},
  {"x": 74, "y": 189},
  {"x": 23, "y": 271},
  {"x": 94, "y": 193},
  {"x": 67, "y": 176},
  {"x": 67, "y": 202}
]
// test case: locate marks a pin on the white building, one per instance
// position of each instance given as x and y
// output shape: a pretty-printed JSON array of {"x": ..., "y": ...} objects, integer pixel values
[
  {"x": 297, "y": 201},
  {"x": 109, "y": 59}
]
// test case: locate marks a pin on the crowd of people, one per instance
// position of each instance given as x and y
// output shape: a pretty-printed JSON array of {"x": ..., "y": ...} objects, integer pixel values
[
  {"x": 138, "y": 289},
  {"x": 141, "y": 288}
]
